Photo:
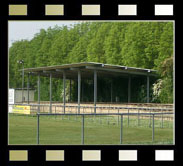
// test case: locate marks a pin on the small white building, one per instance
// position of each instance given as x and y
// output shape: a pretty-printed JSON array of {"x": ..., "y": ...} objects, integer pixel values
[{"x": 15, "y": 95}]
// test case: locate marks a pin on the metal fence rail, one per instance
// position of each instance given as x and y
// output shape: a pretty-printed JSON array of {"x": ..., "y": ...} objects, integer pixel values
[
  {"x": 42, "y": 108},
  {"x": 104, "y": 107},
  {"x": 149, "y": 113},
  {"x": 67, "y": 109},
  {"x": 152, "y": 115}
]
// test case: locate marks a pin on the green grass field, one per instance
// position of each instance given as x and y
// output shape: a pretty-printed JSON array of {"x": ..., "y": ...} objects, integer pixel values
[{"x": 98, "y": 130}]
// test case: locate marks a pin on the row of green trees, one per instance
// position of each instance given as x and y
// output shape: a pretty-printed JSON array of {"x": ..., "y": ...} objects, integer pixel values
[{"x": 135, "y": 44}]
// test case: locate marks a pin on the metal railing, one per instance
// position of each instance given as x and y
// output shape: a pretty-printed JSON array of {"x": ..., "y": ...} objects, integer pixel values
[
  {"x": 149, "y": 113},
  {"x": 73, "y": 109},
  {"x": 38, "y": 108},
  {"x": 83, "y": 122}
]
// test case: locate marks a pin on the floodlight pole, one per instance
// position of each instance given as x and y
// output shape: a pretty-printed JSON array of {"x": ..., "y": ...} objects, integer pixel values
[
  {"x": 28, "y": 88},
  {"x": 22, "y": 62},
  {"x": 22, "y": 81}
]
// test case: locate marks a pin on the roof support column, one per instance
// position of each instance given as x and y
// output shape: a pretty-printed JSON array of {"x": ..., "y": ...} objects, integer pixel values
[
  {"x": 82, "y": 87},
  {"x": 95, "y": 90},
  {"x": 28, "y": 88},
  {"x": 79, "y": 90},
  {"x": 111, "y": 91},
  {"x": 39, "y": 93},
  {"x": 129, "y": 89},
  {"x": 50, "y": 93},
  {"x": 70, "y": 90},
  {"x": 64, "y": 78},
  {"x": 147, "y": 88}
]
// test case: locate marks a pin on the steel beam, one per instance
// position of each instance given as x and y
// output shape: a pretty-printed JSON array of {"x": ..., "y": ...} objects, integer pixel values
[
  {"x": 61, "y": 70},
  {"x": 119, "y": 71},
  {"x": 48, "y": 71},
  {"x": 77, "y": 68}
]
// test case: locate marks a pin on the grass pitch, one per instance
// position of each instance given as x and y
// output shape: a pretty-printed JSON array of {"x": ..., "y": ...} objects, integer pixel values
[{"x": 99, "y": 130}]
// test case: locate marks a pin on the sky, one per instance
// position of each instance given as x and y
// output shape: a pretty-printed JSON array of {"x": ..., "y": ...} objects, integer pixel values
[{"x": 19, "y": 30}]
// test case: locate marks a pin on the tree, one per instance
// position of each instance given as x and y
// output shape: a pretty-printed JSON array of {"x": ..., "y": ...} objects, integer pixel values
[
  {"x": 95, "y": 50},
  {"x": 112, "y": 45},
  {"x": 134, "y": 44}
]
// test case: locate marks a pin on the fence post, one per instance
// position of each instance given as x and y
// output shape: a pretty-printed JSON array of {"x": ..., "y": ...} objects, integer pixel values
[
  {"x": 128, "y": 117},
  {"x": 95, "y": 110},
  {"x": 118, "y": 117},
  {"x": 100, "y": 116},
  {"x": 153, "y": 128},
  {"x": 82, "y": 136},
  {"x": 161, "y": 118},
  {"x": 121, "y": 131},
  {"x": 108, "y": 117},
  {"x": 150, "y": 119},
  {"x": 38, "y": 129},
  {"x": 76, "y": 115},
  {"x": 138, "y": 118},
  {"x": 92, "y": 119}
]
